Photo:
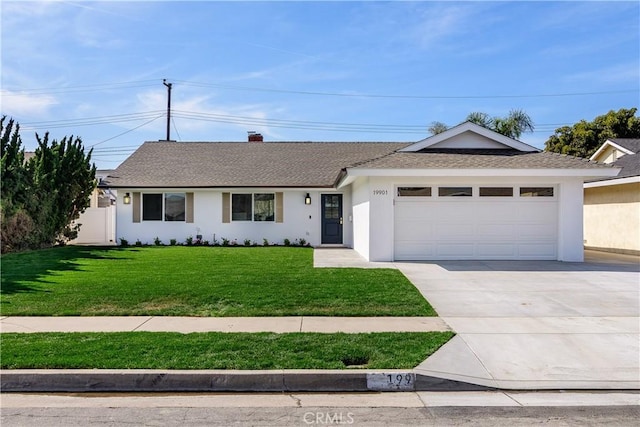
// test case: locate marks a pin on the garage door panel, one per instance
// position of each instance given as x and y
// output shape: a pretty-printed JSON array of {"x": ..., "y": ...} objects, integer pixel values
[
  {"x": 452, "y": 231},
  {"x": 497, "y": 250},
  {"x": 496, "y": 231},
  {"x": 475, "y": 228}
]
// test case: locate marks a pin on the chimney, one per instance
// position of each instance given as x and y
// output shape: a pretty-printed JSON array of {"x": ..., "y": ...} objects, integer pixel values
[{"x": 255, "y": 137}]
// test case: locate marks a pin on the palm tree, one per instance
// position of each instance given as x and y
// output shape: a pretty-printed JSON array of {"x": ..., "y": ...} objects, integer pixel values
[{"x": 512, "y": 126}]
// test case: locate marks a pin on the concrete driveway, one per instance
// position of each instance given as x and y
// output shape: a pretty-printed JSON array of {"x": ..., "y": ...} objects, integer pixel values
[
  {"x": 536, "y": 324},
  {"x": 529, "y": 324}
]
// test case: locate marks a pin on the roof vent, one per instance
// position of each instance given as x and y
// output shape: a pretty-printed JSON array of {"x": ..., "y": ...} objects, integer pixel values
[{"x": 255, "y": 137}]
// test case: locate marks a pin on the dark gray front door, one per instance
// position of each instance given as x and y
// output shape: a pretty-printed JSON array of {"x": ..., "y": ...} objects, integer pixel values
[{"x": 332, "y": 218}]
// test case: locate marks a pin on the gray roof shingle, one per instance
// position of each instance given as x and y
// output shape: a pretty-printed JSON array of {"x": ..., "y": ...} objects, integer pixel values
[
  {"x": 303, "y": 164},
  {"x": 243, "y": 164},
  {"x": 480, "y": 159}
]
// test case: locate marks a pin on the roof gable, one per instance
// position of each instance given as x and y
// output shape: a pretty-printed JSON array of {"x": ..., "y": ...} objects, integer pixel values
[
  {"x": 620, "y": 145},
  {"x": 469, "y": 136}
]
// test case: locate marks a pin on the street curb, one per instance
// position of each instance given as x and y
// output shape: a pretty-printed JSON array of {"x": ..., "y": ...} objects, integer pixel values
[{"x": 98, "y": 380}]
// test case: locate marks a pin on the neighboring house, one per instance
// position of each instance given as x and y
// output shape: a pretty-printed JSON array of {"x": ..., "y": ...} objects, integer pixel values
[
  {"x": 466, "y": 193},
  {"x": 612, "y": 205},
  {"x": 97, "y": 222}
]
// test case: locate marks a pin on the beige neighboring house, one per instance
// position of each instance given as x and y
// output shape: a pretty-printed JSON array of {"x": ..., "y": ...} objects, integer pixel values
[{"x": 612, "y": 205}]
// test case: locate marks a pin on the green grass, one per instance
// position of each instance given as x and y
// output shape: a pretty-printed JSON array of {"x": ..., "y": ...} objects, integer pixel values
[
  {"x": 217, "y": 350},
  {"x": 198, "y": 281}
]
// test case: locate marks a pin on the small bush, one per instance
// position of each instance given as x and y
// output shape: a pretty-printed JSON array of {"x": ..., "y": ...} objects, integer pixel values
[
  {"x": 286, "y": 242},
  {"x": 189, "y": 241},
  {"x": 265, "y": 242},
  {"x": 124, "y": 242},
  {"x": 302, "y": 242},
  {"x": 247, "y": 242},
  {"x": 173, "y": 242},
  {"x": 205, "y": 243},
  {"x": 138, "y": 242},
  {"x": 157, "y": 241},
  {"x": 225, "y": 242}
]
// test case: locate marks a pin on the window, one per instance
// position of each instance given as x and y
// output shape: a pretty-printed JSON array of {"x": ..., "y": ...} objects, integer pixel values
[
  {"x": 241, "y": 207},
  {"x": 496, "y": 192},
  {"x": 256, "y": 207},
  {"x": 454, "y": 191},
  {"x": 152, "y": 207},
  {"x": 536, "y": 191},
  {"x": 414, "y": 191},
  {"x": 174, "y": 207},
  {"x": 171, "y": 204},
  {"x": 263, "y": 207}
]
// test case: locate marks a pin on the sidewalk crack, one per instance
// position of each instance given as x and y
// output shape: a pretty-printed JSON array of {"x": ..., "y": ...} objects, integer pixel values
[
  {"x": 301, "y": 322},
  {"x": 142, "y": 324}
]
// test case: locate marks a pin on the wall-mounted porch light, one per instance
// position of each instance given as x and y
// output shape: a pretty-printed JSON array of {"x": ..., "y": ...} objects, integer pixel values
[
  {"x": 307, "y": 199},
  {"x": 127, "y": 198}
]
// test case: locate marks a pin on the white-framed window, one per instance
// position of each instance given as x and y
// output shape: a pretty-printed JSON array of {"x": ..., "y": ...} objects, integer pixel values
[
  {"x": 414, "y": 192},
  {"x": 496, "y": 191},
  {"x": 163, "y": 206},
  {"x": 257, "y": 207},
  {"x": 455, "y": 191},
  {"x": 536, "y": 191}
]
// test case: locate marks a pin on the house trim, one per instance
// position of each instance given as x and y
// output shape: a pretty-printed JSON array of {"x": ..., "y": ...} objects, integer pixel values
[
  {"x": 615, "y": 181},
  {"x": 610, "y": 143}
]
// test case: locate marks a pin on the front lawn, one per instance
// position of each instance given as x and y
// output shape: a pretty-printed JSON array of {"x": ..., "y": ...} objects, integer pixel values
[
  {"x": 217, "y": 350},
  {"x": 198, "y": 281}
]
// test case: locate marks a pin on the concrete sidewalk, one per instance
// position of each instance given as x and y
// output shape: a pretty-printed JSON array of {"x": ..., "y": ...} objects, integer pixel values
[{"x": 222, "y": 324}]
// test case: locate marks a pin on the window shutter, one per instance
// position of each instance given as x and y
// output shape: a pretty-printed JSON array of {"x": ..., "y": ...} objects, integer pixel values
[
  {"x": 226, "y": 208},
  {"x": 279, "y": 207},
  {"x": 136, "y": 206},
  {"x": 189, "y": 208}
]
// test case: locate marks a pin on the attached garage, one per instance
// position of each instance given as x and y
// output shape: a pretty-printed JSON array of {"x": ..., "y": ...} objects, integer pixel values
[{"x": 475, "y": 223}]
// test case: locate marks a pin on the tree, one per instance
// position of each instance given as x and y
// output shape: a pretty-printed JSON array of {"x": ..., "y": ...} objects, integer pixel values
[
  {"x": 512, "y": 125},
  {"x": 42, "y": 196},
  {"x": 437, "y": 127},
  {"x": 584, "y": 138}
]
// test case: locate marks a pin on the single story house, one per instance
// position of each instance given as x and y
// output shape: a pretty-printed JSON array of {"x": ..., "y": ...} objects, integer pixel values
[
  {"x": 612, "y": 204},
  {"x": 466, "y": 193}
]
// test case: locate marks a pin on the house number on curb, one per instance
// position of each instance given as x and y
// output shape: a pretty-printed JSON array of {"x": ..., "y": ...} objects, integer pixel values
[{"x": 401, "y": 381}]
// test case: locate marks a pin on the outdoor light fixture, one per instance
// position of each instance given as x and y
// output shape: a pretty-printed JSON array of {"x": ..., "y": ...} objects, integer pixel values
[
  {"x": 307, "y": 199},
  {"x": 127, "y": 198}
]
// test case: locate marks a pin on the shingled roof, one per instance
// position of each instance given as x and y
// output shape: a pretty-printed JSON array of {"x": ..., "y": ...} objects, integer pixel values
[
  {"x": 479, "y": 159},
  {"x": 242, "y": 164},
  {"x": 304, "y": 164}
]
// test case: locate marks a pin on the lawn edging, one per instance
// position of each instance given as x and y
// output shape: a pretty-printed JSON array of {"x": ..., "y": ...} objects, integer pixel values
[{"x": 147, "y": 380}]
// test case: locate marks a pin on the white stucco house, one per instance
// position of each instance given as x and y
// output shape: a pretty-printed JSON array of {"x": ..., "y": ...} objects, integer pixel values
[
  {"x": 466, "y": 193},
  {"x": 612, "y": 204}
]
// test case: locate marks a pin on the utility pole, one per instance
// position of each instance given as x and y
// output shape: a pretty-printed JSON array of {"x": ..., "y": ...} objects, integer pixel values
[{"x": 168, "y": 85}]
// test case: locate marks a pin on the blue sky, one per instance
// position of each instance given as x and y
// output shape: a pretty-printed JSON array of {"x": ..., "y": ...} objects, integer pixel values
[{"x": 309, "y": 71}]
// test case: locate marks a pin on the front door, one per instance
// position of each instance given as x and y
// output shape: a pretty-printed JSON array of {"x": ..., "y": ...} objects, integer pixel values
[{"x": 332, "y": 218}]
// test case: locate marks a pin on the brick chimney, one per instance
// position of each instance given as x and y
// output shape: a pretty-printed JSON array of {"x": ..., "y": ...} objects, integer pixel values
[{"x": 255, "y": 137}]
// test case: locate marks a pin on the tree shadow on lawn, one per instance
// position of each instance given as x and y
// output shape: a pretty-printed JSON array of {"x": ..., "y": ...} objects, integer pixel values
[{"x": 21, "y": 272}]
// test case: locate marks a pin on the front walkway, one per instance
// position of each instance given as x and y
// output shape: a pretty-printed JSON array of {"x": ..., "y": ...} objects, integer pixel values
[{"x": 531, "y": 324}]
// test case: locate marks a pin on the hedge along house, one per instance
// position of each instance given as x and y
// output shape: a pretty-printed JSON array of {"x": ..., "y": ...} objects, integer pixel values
[{"x": 467, "y": 193}]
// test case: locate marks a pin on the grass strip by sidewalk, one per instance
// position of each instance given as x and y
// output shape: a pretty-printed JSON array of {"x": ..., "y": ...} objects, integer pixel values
[
  {"x": 217, "y": 350},
  {"x": 198, "y": 281}
]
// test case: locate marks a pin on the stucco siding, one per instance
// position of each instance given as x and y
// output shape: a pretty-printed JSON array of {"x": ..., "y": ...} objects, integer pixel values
[
  {"x": 300, "y": 221},
  {"x": 612, "y": 217}
]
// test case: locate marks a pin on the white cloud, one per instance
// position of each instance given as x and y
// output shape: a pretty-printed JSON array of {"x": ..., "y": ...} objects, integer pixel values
[
  {"x": 622, "y": 73},
  {"x": 17, "y": 104}
]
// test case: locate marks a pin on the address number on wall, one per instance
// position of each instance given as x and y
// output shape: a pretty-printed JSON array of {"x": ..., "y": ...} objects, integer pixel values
[{"x": 380, "y": 192}]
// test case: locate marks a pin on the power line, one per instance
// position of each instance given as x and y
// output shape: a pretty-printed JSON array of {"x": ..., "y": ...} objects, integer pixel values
[
  {"x": 397, "y": 96},
  {"x": 79, "y": 88},
  {"x": 126, "y": 132}
]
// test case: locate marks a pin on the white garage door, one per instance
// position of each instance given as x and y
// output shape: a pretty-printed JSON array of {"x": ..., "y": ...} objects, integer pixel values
[{"x": 440, "y": 228}]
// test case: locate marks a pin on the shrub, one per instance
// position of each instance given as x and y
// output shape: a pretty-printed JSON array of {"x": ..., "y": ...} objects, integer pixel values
[
  {"x": 173, "y": 242},
  {"x": 265, "y": 242},
  {"x": 225, "y": 242},
  {"x": 205, "y": 243},
  {"x": 157, "y": 241},
  {"x": 286, "y": 242},
  {"x": 302, "y": 242},
  {"x": 247, "y": 242},
  {"x": 189, "y": 241},
  {"x": 124, "y": 242},
  {"x": 138, "y": 242}
]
